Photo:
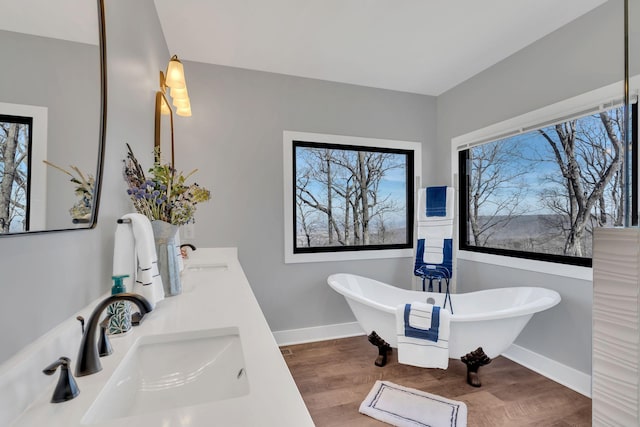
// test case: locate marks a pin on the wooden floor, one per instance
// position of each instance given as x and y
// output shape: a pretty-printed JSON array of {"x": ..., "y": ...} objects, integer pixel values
[{"x": 335, "y": 376}]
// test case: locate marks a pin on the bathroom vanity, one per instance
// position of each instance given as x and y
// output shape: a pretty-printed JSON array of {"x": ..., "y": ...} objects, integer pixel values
[{"x": 202, "y": 358}]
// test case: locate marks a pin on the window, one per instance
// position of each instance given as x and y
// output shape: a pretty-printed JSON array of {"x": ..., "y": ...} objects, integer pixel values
[
  {"x": 352, "y": 198},
  {"x": 539, "y": 194},
  {"x": 347, "y": 195},
  {"x": 15, "y": 163}
]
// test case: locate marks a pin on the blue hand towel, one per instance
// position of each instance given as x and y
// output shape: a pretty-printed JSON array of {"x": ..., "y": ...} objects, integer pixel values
[
  {"x": 430, "y": 334},
  {"x": 423, "y": 335},
  {"x": 436, "y": 201}
]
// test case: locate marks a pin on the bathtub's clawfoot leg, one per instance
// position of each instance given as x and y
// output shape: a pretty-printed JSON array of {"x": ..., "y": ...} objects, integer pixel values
[
  {"x": 383, "y": 348},
  {"x": 381, "y": 360},
  {"x": 474, "y": 360},
  {"x": 472, "y": 376},
  {"x": 376, "y": 340}
]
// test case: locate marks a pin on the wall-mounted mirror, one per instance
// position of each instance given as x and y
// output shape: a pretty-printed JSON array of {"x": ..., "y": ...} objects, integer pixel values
[
  {"x": 163, "y": 146},
  {"x": 52, "y": 114}
]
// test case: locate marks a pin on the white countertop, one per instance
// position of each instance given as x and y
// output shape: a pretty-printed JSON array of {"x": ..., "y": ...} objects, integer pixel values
[{"x": 211, "y": 298}]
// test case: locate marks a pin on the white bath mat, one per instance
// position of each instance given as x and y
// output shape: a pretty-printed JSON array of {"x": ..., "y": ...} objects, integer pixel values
[{"x": 403, "y": 406}]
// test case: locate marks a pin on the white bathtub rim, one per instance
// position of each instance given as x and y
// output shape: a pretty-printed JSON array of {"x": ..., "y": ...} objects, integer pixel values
[
  {"x": 542, "y": 303},
  {"x": 331, "y": 280}
]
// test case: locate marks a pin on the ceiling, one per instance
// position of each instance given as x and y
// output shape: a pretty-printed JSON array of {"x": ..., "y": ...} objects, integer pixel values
[{"x": 419, "y": 46}]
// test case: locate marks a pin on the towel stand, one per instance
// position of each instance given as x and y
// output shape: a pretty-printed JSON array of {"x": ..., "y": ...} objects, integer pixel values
[{"x": 432, "y": 273}]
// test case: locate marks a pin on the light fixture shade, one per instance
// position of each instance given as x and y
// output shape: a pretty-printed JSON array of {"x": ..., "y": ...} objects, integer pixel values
[
  {"x": 182, "y": 103},
  {"x": 179, "y": 93},
  {"x": 175, "y": 74},
  {"x": 184, "y": 112}
]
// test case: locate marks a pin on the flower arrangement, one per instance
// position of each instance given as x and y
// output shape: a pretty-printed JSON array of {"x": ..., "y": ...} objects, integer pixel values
[
  {"x": 165, "y": 195},
  {"x": 84, "y": 190}
]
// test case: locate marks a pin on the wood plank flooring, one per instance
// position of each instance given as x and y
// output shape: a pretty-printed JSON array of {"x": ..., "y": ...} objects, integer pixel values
[{"x": 335, "y": 376}]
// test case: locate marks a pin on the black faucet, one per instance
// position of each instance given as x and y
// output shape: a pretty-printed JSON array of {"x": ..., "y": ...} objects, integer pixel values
[
  {"x": 66, "y": 389},
  {"x": 88, "y": 356},
  {"x": 104, "y": 346},
  {"x": 183, "y": 252}
]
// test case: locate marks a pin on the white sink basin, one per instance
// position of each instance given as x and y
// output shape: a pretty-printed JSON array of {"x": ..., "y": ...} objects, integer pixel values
[
  {"x": 169, "y": 371},
  {"x": 207, "y": 266},
  {"x": 191, "y": 273}
]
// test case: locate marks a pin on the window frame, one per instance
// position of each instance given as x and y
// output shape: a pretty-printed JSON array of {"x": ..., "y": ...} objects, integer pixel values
[
  {"x": 38, "y": 153},
  {"x": 28, "y": 122},
  {"x": 323, "y": 254},
  {"x": 603, "y": 98}
]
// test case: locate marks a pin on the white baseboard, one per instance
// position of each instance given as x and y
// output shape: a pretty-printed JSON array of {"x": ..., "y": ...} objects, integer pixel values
[
  {"x": 318, "y": 333},
  {"x": 562, "y": 374}
]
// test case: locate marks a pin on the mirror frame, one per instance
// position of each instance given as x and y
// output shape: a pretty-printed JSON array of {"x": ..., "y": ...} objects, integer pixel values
[{"x": 102, "y": 49}]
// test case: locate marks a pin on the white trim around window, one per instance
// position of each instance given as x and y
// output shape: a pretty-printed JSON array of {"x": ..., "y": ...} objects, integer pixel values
[
  {"x": 602, "y": 98},
  {"x": 287, "y": 143}
]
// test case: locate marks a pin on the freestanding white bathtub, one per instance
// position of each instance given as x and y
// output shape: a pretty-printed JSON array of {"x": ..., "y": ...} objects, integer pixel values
[{"x": 491, "y": 319}]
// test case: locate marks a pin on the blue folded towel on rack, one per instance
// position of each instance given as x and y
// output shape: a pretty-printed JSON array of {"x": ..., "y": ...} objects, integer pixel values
[
  {"x": 436, "y": 201},
  {"x": 434, "y": 249},
  {"x": 435, "y": 204}
]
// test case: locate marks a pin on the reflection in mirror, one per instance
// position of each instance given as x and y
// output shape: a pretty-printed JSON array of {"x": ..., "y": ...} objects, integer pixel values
[
  {"x": 84, "y": 190},
  {"x": 632, "y": 91},
  {"x": 53, "y": 77},
  {"x": 15, "y": 164},
  {"x": 163, "y": 129}
]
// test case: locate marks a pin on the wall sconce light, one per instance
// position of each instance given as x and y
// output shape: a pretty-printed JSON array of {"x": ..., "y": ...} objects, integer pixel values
[{"x": 175, "y": 81}]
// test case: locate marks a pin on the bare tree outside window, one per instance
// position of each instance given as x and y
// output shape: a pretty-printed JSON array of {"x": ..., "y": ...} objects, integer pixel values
[
  {"x": 496, "y": 189},
  {"x": 544, "y": 191},
  {"x": 588, "y": 153},
  {"x": 15, "y": 144},
  {"x": 349, "y": 197}
]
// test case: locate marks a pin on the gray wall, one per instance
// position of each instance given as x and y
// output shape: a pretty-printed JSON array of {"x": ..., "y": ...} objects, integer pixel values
[
  {"x": 46, "y": 278},
  {"x": 235, "y": 139},
  {"x": 584, "y": 55},
  {"x": 634, "y": 37}
]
